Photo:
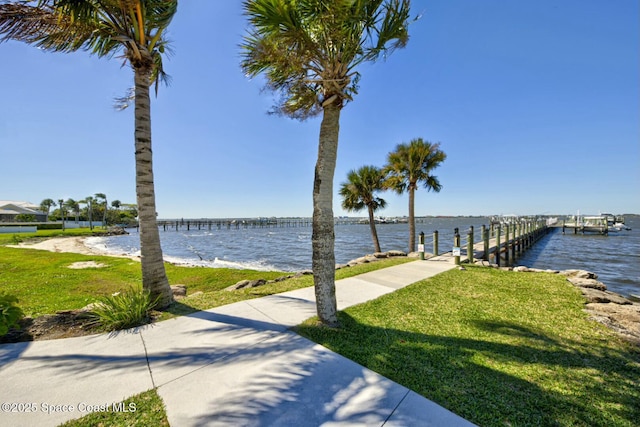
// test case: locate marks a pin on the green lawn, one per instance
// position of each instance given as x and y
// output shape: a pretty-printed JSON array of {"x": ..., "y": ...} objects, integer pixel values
[
  {"x": 498, "y": 348},
  {"x": 13, "y": 238},
  {"x": 144, "y": 410},
  {"x": 44, "y": 284}
]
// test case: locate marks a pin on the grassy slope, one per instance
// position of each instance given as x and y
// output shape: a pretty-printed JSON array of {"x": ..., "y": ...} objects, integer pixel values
[
  {"x": 44, "y": 284},
  {"x": 498, "y": 348}
]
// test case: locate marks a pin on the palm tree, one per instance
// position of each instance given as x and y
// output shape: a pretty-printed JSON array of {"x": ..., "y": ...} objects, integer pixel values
[
  {"x": 137, "y": 29},
  {"x": 359, "y": 192},
  {"x": 103, "y": 197},
  {"x": 89, "y": 201},
  {"x": 45, "y": 206},
  {"x": 409, "y": 166},
  {"x": 309, "y": 51},
  {"x": 73, "y": 206},
  {"x": 116, "y": 205}
]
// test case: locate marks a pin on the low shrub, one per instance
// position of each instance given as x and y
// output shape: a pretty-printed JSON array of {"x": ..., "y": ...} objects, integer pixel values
[
  {"x": 10, "y": 314},
  {"x": 50, "y": 226},
  {"x": 124, "y": 310}
]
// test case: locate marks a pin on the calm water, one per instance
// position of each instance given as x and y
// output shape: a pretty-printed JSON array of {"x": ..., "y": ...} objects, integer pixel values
[{"x": 615, "y": 258}]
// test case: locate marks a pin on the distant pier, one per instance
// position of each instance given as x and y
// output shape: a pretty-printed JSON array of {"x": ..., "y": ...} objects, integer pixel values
[
  {"x": 243, "y": 223},
  {"x": 246, "y": 223}
]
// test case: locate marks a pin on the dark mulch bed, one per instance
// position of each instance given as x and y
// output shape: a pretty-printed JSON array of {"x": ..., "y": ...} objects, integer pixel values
[{"x": 65, "y": 324}]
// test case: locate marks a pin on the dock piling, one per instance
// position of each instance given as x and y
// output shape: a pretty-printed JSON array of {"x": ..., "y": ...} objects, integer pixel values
[
  {"x": 435, "y": 243},
  {"x": 456, "y": 246},
  {"x": 485, "y": 239},
  {"x": 470, "y": 245}
]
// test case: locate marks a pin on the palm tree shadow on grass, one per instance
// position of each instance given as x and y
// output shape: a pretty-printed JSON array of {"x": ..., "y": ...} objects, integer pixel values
[{"x": 448, "y": 370}]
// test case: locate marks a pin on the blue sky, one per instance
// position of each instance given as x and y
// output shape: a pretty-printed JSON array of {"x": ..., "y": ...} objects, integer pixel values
[{"x": 535, "y": 103}]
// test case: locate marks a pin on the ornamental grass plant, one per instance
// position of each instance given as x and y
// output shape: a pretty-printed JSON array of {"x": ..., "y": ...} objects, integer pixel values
[
  {"x": 123, "y": 310},
  {"x": 10, "y": 313}
]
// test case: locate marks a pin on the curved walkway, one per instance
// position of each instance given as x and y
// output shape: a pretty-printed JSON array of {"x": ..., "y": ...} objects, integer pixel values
[{"x": 235, "y": 365}]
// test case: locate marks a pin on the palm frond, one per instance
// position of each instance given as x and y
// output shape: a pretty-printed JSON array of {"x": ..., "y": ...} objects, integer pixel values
[
  {"x": 413, "y": 163},
  {"x": 309, "y": 49},
  {"x": 42, "y": 26},
  {"x": 123, "y": 102},
  {"x": 359, "y": 190},
  {"x": 102, "y": 27}
]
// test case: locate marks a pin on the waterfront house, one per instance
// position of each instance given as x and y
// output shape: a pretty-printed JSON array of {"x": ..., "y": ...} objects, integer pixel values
[{"x": 9, "y": 209}]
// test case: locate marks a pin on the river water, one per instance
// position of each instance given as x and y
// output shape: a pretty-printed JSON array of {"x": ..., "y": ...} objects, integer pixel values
[{"x": 615, "y": 258}]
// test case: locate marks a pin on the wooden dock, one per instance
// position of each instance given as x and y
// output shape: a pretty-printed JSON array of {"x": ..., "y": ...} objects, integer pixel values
[
  {"x": 500, "y": 244},
  {"x": 587, "y": 224}
]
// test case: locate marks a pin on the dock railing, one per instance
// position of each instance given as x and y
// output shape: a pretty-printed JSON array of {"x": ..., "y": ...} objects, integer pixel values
[
  {"x": 513, "y": 239},
  {"x": 499, "y": 244}
]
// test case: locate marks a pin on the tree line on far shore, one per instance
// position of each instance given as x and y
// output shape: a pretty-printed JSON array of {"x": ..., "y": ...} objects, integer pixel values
[{"x": 92, "y": 208}]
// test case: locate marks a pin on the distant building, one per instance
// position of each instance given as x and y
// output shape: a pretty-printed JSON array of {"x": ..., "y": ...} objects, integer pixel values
[{"x": 9, "y": 209}]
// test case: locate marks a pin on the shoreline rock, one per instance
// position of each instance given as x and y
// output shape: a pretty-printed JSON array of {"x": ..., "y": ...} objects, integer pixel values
[{"x": 377, "y": 256}]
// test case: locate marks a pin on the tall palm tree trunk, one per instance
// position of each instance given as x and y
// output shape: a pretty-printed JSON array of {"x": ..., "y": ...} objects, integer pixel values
[
  {"x": 412, "y": 219},
  {"x": 104, "y": 215},
  {"x": 90, "y": 215},
  {"x": 323, "y": 237},
  {"x": 372, "y": 226},
  {"x": 154, "y": 277}
]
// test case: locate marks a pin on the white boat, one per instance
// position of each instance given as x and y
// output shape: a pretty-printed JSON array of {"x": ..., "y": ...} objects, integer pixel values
[
  {"x": 622, "y": 226},
  {"x": 385, "y": 220},
  {"x": 615, "y": 222},
  {"x": 603, "y": 223}
]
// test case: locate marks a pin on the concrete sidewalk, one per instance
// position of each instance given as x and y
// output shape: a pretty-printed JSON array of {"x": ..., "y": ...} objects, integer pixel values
[{"x": 235, "y": 365}]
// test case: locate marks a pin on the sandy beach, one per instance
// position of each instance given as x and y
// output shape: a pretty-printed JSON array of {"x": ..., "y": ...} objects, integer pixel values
[{"x": 73, "y": 244}]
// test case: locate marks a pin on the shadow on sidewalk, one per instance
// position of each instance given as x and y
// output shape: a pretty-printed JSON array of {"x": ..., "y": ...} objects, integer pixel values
[{"x": 11, "y": 352}]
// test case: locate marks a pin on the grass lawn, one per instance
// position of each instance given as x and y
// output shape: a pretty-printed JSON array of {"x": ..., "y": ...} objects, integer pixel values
[
  {"x": 145, "y": 409},
  {"x": 498, "y": 348},
  {"x": 44, "y": 284}
]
